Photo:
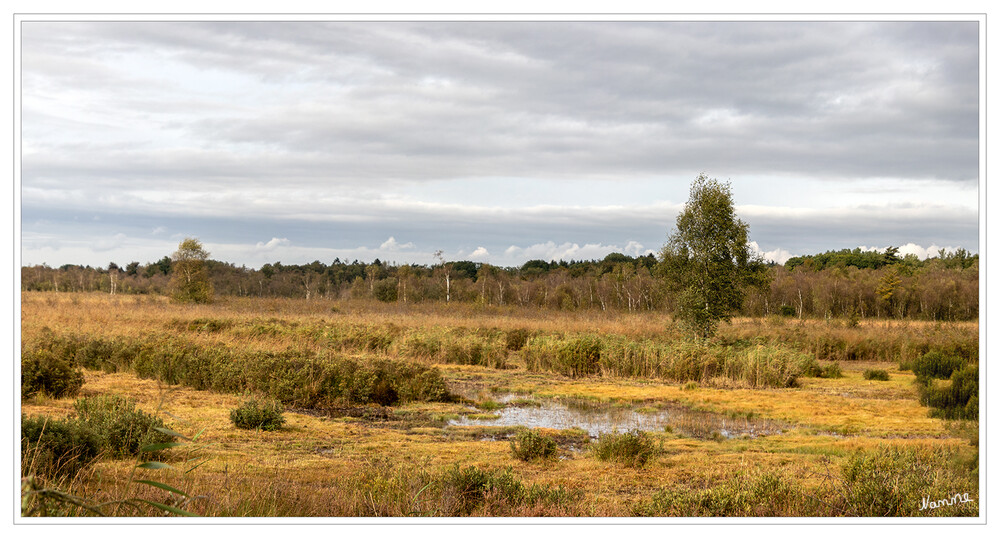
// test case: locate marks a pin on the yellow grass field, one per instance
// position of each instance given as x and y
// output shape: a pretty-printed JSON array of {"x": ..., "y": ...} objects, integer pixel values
[{"x": 362, "y": 459}]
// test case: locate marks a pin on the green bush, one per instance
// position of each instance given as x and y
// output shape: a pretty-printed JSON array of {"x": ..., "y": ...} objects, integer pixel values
[
  {"x": 630, "y": 448},
  {"x": 256, "y": 414},
  {"x": 471, "y": 488},
  {"x": 830, "y": 371},
  {"x": 958, "y": 399},
  {"x": 876, "y": 375},
  {"x": 56, "y": 447},
  {"x": 121, "y": 428},
  {"x": 45, "y": 372},
  {"x": 529, "y": 445},
  {"x": 295, "y": 377},
  {"x": 936, "y": 365}
]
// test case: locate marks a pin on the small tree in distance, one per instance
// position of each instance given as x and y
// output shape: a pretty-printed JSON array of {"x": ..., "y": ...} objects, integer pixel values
[
  {"x": 190, "y": 283},
  {"x": 708, "y": 262}
]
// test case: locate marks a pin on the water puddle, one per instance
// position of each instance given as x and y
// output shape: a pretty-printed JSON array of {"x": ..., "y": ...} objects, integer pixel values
[{"x": 597, "y": 418}]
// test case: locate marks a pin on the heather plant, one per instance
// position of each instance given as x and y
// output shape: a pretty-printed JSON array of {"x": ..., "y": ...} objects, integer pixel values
[
  {"x": 530, "y": 445},
  {"x": 632, "y": 448},
  {"x": 52, "y": 447},
  {"x": 43, "y": 371},
  {"x": 121, "y": 428},
  {"x": 255, "y": 414},
  {"x": 876, "y": 375}
]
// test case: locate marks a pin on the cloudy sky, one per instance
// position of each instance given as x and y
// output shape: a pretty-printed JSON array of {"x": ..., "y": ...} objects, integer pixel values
[{"x": 497, "y": 142}]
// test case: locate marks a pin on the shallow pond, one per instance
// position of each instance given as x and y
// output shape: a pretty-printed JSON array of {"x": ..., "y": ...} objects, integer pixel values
[{"x": 597, "y": 419}]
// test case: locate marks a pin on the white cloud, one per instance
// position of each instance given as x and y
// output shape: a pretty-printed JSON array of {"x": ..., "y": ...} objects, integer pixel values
[
  {"x": 392, "y": 245},
  {"x": 271, "y": 245},
  {"x": 778, "y": 255},
  {"x": 479, "y": 254},
  {"x": 549, "y": 251}
]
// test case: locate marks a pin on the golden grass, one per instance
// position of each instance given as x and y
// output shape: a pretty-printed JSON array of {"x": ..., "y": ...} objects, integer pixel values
[{"x": 314, "y": 465}]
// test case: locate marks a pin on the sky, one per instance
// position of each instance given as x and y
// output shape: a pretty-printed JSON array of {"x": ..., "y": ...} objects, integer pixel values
[{"x": 496, "y": 142}]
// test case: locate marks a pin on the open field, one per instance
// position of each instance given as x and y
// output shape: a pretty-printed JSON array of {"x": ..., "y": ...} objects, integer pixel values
[{"x": 757, "y": 423}]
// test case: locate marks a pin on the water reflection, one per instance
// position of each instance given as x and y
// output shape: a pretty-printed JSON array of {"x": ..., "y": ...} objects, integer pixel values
[{"x": 600, "y": 419}]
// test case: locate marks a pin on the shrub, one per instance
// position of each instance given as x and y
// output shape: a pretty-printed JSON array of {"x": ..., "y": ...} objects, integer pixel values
[
  {"x": 45, "y": 372},
  {"x": 121, "y": 428},
  {"x": 892, "y": 481},
  {"x": 296, "y": 377},
  {"x": 529, "y": 445},
  {"x": 54, "y": 447},
  {"x": 830, "y": 371},
  {"x": 787, "y": 310},
  {"x": 958, "y": 399},
  {"x": 256, "y": 414},
  {"x": 743, "y": 495},
  {"x": 472, "y": 488},
  {"x": 935, "y": 365},
  {"x": 876, "y": 375},
  {"x": 515, "y": 339},
  {"x": 630, "y": 448}
]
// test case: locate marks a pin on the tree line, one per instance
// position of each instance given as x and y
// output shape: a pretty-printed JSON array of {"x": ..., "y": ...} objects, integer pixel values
[
  {"x": 706, "y": 273},
  {"x": 945, "y": 287}
]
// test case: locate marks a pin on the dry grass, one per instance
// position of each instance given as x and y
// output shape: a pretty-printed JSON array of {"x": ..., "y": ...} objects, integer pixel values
[{"x": 353, "y": 466}]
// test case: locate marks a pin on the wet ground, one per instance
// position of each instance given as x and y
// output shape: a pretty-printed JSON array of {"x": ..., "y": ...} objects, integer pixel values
[{"x": 600, "y": 418}]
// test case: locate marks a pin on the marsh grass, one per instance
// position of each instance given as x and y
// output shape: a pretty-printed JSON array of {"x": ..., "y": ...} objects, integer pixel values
[{"x": 280, "y": 347}]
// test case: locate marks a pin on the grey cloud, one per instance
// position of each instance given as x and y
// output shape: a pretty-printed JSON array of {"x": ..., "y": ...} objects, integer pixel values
[
  {"x": 304, "y": 130},
  {"x": 588, "y": 99}
]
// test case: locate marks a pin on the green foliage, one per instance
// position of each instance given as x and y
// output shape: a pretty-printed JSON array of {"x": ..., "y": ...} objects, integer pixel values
[
  {"x": 876, "y": 375},
  {"x": 747, "y": 494},
  {"x": 863, "y": 259},
  {"x": 708, "y": 262},
  {"x": 294, "y": 377},
  {"x": 530, "y": 445},
  {"x": 386, "y": 290},
  {"x": 255, "y": 414},
  {"x": 936, "y": 365},
  {"x": 472, "y": 489},
  {"x": 190, "y": 281},
  {"x": 629, "y": 448},
  {"x": 830, "y": 371},
  {"x": 121, "y": 428},
  {"x": 48, "y": 373},
  {"x": 53, "y": 447},
  {"x": 957, "y": 399},
  {"x": 892, "y": 481}
]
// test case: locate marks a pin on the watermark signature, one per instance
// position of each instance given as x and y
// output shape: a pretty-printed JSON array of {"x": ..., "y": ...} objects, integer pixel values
[{"x": 927, "y": 504}]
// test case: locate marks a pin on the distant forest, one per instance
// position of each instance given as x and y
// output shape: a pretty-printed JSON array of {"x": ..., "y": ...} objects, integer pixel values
[{"x": 845, "y": 283}]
